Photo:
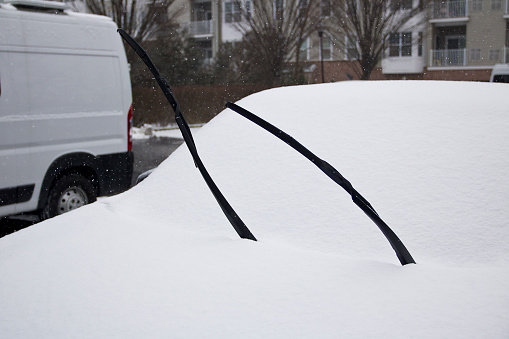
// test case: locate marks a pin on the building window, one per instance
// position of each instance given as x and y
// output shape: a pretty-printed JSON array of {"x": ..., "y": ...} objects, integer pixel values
[
  {"x": 494, "y": 55},
  {"x": 248, "y": 10},
  {"x": 477, "y": 5},
  {"x": 400, "y": 44},
  {"x": 406, "y": 44},
  {"x": 208, "y": 54},
  {"x": 420, "y": 46},
  {"x": 303, "y": 51},
  {"x": 394, "y": 47},
  {"x": 475, "y": 55},
  {"x": 279, "y": 9},
  {"x": 325, "y": 8},
  {"x": 496, "y": 5},
  {"x": 232, "y": 12},
  {"x": 303, "y": 6},
  {"x": 401, "y": 4},
  {"x": 351, "y": 49},
  {"x": 406, "y": 4},
  {"x": 327, "y": 47}
]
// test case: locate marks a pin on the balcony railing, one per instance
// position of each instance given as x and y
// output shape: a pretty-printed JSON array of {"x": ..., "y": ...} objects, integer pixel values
[
  {"x": 200, "y": 28},
  {"x": 468, "y": 57},
  {"x": 449, "y": 9},
  {"x": 448, "y": 57}
]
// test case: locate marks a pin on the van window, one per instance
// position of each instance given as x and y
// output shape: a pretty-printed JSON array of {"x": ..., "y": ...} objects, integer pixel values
[{"x": 501, "y": 78}]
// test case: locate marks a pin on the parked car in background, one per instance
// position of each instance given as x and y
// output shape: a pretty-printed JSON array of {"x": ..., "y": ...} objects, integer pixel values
[
  {"x": 65, "y": 109},
  {"x": 500, "y": 73}
]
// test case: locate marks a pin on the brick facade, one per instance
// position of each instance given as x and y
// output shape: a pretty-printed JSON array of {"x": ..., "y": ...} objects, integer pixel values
[{"x": 341, "y": 70}]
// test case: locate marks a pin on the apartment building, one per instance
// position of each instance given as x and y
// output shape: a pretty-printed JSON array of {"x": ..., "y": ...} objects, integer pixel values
[
  {"x": 457, "y": 40},
  {"x": 468, "y": 36},
  {"x": 209, "y": 22}
]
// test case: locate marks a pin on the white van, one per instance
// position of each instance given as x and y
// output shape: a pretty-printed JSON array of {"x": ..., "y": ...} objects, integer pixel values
[
  {"x": 65, "y": 108},
  {"x": 500, "y": 73}
]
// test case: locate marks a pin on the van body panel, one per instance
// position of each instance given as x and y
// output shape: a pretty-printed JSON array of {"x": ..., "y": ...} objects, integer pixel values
[{"x": 64, "y": 92}]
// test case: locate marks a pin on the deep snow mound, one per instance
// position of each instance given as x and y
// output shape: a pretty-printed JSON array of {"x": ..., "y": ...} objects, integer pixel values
[{"x": 430, "y": 156}]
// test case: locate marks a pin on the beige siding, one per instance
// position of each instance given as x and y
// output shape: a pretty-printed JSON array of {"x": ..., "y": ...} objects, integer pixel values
[{"x": 486, "y": 31}]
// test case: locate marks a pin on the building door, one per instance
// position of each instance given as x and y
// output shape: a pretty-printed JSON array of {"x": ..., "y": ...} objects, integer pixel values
[
  {"x": 204, "y": 15},
  {"x": 455, "y": 50}
]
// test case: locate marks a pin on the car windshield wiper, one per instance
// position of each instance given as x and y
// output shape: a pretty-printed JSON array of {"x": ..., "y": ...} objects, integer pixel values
[
  {"x": 239, "y": 226},
  {"x": 234, "y": 219},
  {"x": 398, "y": 246}
]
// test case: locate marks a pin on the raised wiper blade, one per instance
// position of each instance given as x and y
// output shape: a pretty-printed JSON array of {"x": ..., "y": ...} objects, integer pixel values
[
  {"x": 398, "y": 246},
  {"x": 230, "y": 213}
]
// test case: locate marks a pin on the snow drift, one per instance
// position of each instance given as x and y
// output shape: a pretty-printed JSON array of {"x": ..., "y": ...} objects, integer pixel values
[{"x": 161, "y": 260}]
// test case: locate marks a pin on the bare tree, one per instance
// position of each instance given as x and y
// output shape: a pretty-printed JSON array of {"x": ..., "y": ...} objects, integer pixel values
[
  {"x": 141, "y": 19},
  {"x": 147, "y": 21},
  {"x": 273, "y": 31},
  {"x": 364, "y": 28}
]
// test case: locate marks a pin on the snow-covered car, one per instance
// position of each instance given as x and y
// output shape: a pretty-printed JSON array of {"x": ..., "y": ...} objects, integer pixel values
[{"x": 161, "y": 260}]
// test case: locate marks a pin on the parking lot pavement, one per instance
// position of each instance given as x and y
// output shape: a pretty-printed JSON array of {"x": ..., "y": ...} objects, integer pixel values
[
  {"x": 13, "y": 224},
  {"x": 150, "y": 152}
]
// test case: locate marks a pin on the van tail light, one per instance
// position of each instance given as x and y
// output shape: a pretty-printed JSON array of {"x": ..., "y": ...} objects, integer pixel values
[{"x": 130, "y": 129}]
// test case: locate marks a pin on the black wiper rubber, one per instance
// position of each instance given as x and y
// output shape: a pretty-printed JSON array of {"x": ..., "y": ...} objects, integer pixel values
[
  {"x": 239, "y": 226},
  {"x": 398, "y": 246},
  {"x": 234, "y": 219}
]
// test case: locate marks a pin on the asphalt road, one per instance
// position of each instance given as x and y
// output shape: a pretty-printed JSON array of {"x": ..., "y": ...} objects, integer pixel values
[{"x": 148, "y": 154}]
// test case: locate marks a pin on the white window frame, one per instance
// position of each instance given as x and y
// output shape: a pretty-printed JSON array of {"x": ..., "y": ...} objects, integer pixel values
[
  {"x": 235, "y": 12},
  {"x": 401, "y": 45},
  {"x": 304, "y": 49}
]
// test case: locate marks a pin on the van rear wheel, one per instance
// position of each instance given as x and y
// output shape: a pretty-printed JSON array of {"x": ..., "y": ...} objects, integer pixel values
[{"x": 70, "y": 192}]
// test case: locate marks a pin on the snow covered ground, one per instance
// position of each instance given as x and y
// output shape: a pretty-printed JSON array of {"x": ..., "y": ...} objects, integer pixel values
[
  {"x": 148, "y": 130},
  {"x": 161, "y": 260}
]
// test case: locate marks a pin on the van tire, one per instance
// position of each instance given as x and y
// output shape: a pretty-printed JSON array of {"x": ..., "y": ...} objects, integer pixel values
[{"x": 68, "y": 193}]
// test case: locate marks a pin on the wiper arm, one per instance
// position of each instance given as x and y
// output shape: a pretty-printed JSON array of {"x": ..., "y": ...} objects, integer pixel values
[
  {"x": 230, "y": 213},
  {"x": 239, "y": 226},
  {"x": 398, "y": 246}
]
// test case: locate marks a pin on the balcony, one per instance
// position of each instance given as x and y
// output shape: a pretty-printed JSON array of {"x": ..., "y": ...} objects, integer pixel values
[
  {"x": 449, "y": 9},
  {"x": 471, "y": 58},
  {"x": 448, "y": 57},
  {"x": 201, "y": 28}
]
